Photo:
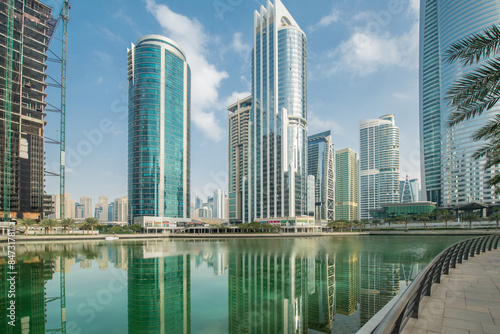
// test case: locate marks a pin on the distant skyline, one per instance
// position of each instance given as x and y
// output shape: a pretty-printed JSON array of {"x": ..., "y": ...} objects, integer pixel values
[{"x": 362, "y": 63}]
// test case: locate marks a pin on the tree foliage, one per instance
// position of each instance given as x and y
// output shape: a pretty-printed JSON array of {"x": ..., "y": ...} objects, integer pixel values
[{"x": 478, "y": 91}]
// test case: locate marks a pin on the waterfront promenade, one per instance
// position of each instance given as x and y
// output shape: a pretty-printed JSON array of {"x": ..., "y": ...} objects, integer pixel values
[
  {"x": 467, "y": 301},
  {"x": 82, "y": 237}
]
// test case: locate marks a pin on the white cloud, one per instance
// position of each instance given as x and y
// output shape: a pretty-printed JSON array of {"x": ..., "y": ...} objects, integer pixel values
[
  {"x": 234, "y": 97},
  {"x": 414, "y": 7},
  {"x": 239, "y": 46},
  {"x": 325, "y": 21},
  {"x": 365, "y": 52},
  {"x": 190, "y": 34},
  {"x": 111, "y": 36},
  {"x": 401, "y": 96},
  {"x": 103, "y": 57},
  {"x": 319, "y": 124}
]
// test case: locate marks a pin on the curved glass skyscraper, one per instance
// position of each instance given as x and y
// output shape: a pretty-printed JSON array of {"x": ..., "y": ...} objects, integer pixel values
[
  {"x": 159, "y": 121},
  {"x": 450, "y": 175},
  {"x": 277, "y": 178}
]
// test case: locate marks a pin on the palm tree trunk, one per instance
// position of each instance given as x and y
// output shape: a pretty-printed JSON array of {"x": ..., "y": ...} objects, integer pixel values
[
  {"x": 406, "y": 226},
  {"x": 445, "y": 224},
  {"x": 470, "y": 225}
]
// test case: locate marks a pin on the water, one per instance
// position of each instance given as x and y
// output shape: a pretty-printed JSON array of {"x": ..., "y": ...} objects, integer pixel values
[{"x": 276, "y": 285}]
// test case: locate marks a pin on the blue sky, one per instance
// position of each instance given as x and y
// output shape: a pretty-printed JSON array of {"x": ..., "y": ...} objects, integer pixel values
[{"x": 362, "y": 63}]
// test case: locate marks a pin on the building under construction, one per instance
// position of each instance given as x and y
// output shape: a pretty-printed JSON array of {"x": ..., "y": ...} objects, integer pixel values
[{"x": 25, "y": 32}]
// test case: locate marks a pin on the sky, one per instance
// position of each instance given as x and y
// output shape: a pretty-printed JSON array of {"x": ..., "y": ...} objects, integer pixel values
[{"x": 362, "y": 64}]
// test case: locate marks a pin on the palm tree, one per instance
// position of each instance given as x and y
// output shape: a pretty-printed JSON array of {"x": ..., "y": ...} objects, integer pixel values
[
  {"x": 26, "y": 222},
  {"x": 91, "y": 222},
  {"x": 361, "y": 223},
  {"x": 48, "y": 224},
  {"x": 445, "y": 215},
  {"x": 67, "y": 223},
  {"x": 376, "y": 222},
  {"x": 495, "y": 218},
  {"x": 425, "y": 218},
  {"x": 478, "y": 91},
  {"x": 470, "y": 217},
  {"x": 340, "y": 224},
  {"x": 352, "y": 223},
  {"x": 405, "y": 219},
  {"x": 389, "y": 221}
]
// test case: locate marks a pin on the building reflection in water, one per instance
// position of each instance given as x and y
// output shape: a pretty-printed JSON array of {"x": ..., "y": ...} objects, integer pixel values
[
  {"x": 159, "y": 292},
  {"x": 32, "y": 273},
  {"x": 267, "y": 293},
  {"x": 278, "y": 287},
  {"x": 321, "y": 299},
  {"x": 379, "y": 284}
]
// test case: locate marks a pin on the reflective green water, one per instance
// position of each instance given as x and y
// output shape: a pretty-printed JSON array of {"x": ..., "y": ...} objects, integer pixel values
[{"x": 301, "y": 285}]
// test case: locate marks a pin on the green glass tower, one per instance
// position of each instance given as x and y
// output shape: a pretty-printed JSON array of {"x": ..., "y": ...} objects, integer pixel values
[{"x": 159, "y": 131}]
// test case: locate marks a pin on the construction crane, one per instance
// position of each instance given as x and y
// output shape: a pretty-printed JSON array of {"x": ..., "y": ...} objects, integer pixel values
[
  {"x": 9, "y": 56},
  {"x": 64, "y": 16}
]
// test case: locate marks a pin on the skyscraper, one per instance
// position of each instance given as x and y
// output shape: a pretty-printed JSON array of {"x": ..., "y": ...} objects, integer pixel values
[
  {"x": 69, "y": 206},
  {"x": 379, "y": 163},
  {"x": 277, "y": 174},
  {"x": 120, "y": 209},
  {"x": 321, "y": 165},
  {"x": 159, "y": 129},
  {"x": 450, "y": 176},
  {"x": 87, "y": 204},
  {"x": 102, "y": 207},
  {"x": 408, "y": 190},
  {"x": 219, "y": 204},
  {"x": 23, "y": 62},
  {"x": 239, "y": 122},
  {"x": 346, "y": 184}
]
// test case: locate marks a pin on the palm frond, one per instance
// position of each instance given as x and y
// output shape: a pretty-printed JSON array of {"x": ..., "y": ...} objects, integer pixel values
[
  {"x": 494, "y": 182},
  {"x": 490, "y": 130},
  {"x": 475, "y": 92},
  {"x": 472, "y": 49}
]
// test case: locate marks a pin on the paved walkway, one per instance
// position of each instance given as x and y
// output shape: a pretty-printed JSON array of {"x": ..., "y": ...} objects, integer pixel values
[{"x": 465, "y": 302}]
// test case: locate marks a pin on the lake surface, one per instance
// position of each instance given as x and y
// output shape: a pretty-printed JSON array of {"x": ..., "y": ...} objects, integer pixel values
[{"x": 272, "y": 285}]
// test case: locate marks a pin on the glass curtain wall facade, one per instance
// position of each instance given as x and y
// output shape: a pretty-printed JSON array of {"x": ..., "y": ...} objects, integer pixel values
[
  {"x": 462, "y": 178},
  {"x": 408, "y": 190},
  {"x": 159, "y": 129},
  {"x": 277, "y": 175},
  {"x": 239, "y": 122},
  {"x": 379, "y": 163},
  {"x": 346, "y": 184},
  {"x": 320, "y": 164},
  {"x": 430, "y": 102}
]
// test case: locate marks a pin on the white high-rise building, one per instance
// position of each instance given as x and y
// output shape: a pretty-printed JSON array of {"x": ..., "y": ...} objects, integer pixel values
[
  {"x": 120, "y": 209},
  {"x": 378, "y": 163},
  {"x": 276, "y": 183},
  {"x": 87, "y": 206},
  {"x": 219, "y": 207},
  {"x": 69, "y": 206},
  {"x": 102, "y": 209}
]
